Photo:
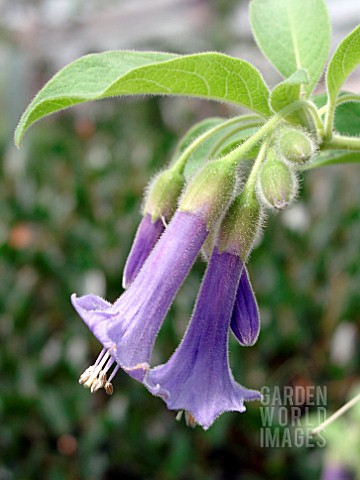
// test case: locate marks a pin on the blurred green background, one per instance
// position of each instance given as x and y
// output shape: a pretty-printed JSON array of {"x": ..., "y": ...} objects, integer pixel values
[{"x": 70, "y": 204}]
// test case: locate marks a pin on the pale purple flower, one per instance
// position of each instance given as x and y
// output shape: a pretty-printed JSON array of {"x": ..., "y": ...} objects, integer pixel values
[
  {"x": 334, "y": 471},
  {"x": 245, "y": 320},
  {"x": 197, "y": 377},
  {"x": 128, "y": 328},
  {"x": 148, "y": 233}
]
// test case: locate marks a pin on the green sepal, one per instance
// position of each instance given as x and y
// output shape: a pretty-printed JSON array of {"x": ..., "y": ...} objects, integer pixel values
[
  {"x": 241, "y": 224},
  {"x": 277, "y": 184},
  {"x": 210, "y": 191},
  {"x": 163, "y": 193},
  {"x": 295, "y": 146}
]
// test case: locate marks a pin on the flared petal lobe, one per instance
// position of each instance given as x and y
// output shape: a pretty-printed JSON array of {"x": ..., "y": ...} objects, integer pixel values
[
  {"x": 130, "y": 325},
  {"x": 148, "y": 233},
  {"x": 197, "y": 377},
  {"x": 245, "y": 320}
]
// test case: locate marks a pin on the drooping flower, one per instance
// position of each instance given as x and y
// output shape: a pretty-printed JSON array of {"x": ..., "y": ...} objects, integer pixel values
[
  {"x": 128, "y": 328},
  {"x": 197, "y": 377},
  {"x": 245, "y": 319}
]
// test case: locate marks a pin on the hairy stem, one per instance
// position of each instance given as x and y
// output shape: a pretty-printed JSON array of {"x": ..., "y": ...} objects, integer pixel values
[
  {"x": 243, "y": 120},
  {"x": 338, "y": 142}
]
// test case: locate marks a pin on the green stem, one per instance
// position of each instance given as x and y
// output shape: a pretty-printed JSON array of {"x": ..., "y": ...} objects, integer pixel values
[
  {"x": 314, "y": 112},
  {"x": 338, "y": 142},
  {"x": 221, "y": 142},
  {"x": 251, "y": 181},
  {"x": 238, "y": 153},
  {"x": 184, "y": 157},
  {"x": 329, "y": 119}
]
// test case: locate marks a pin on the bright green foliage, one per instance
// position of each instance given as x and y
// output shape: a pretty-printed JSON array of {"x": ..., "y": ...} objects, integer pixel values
[
  {"x": 347, "y": 115},
  {"x": 344, "y": 61},
  {"x": 195, "y": 131},
  {"x": 289, "y": 90},
  {"x": 293, "y": 35},
  {"x": 206, "y": 75},
  {"x": 228, "y": 136}
]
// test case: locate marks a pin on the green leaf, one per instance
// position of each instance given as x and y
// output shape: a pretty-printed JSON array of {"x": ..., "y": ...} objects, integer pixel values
[
  {"x": 347, "y": 115},
  {"x": 347, "y": 119},
  {"x": 211, "y": 76},
  {"x": 333, "y": 157},
  {"x": 194, "y": 132},
  {"x": 345, "y": 59},
  {"x": 288, "y": 91},
  {"x": 293, "y": 34}
]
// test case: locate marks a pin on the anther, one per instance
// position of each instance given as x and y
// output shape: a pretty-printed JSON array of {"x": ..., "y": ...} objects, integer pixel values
[
  {"x": 94, "y": 377},
  {"x": 190, "y": 420}
]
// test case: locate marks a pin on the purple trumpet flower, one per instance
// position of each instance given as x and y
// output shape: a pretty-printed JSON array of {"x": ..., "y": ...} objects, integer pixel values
[
  {"x": 148, "y": 233},
  {"x": 128, "y": 328},
  {"x": 245, "y": 320},
  {"x": 197, "y": 377}
]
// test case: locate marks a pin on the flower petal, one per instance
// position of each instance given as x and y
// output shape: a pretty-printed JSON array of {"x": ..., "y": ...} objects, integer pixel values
[
  {"x": 148, "y": 233},
  {"x": 95, "y": 311},
  {"x": 197, "y": 377},
  {"x": 245, "y": 320}
]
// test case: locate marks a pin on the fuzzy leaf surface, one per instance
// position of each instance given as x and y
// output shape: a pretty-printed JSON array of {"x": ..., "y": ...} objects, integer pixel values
[
  {"x": 293, "y": 35},
  {"x": 344, "y": 61},
  {"x": 211, "y": 76}
]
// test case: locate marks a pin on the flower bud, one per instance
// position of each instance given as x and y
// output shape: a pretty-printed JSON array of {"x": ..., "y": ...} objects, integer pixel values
[
  {"x": 241, "y": 225},
  {"x": 159, "y": 206},
  {"x": 210, "y": 192},
  {"x": 295, "y": 146},
  {"x": 245, "y": 319},
  {"x": 162, "y": 194},
  {"x": 277, "y": 183}
]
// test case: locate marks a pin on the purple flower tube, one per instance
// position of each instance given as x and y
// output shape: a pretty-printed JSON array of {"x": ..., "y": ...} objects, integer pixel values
[
  {"x": 148, "y": 233},
  {"x": 197, "y": 377}
]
